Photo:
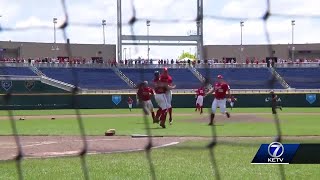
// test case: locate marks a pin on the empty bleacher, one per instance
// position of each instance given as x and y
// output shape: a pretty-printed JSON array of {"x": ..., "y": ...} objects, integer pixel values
[
  {"x": 87, "y": 78},
  {"x": 182, "y": 77},
  {"x": 16, "y": 71},
  {"x": 244, "y": 78},
  {"x": 301, "y": 78}
]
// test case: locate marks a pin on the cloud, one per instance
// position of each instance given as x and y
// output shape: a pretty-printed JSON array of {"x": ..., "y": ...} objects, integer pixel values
[{"x": 215, "y": 31}]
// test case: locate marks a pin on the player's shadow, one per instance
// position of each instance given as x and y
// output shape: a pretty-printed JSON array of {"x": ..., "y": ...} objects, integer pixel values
[
  {"x": 153, "y": 128},
  {"x": 215, "y": 125}
]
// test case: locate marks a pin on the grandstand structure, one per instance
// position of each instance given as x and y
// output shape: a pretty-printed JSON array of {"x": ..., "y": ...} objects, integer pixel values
[{"x": 123, "y": 79}]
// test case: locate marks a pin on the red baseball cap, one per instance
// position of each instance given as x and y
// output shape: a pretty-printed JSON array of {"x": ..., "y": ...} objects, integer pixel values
[
  {"x": 165, "y": 69},
  {"x": 220, "y": 77}
]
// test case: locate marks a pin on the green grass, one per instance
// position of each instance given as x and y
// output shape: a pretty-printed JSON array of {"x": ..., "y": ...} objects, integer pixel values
[
  {"x": 174, "y": 163},
  {"x": 126, "y": 111},
  {"x": 304, "y": 124}
]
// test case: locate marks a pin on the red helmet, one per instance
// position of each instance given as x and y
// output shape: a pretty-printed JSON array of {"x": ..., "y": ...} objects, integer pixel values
[
  {"x": 220, "y": 76},
  {"x": 165, "y": 69}
]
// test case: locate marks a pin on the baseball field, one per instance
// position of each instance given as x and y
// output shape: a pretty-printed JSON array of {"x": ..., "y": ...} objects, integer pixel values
[{"x": 179, "y": 151}]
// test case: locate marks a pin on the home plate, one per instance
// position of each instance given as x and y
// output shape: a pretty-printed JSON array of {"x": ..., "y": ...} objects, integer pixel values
[{"x": 143, "y": 135}]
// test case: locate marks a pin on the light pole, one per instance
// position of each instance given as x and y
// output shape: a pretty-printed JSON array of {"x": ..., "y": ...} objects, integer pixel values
[
  {"x": 54, "y": 47},
  {"x": 293, "y": 23},
  {"x": 104, "y": 23},
  {"x": 241, "y": 48},
  {"x": 125, "y": 53},
  {"x": 148, "y": 25}
]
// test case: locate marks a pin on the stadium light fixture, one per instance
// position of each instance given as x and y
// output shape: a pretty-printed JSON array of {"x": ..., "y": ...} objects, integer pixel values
[
  {"x": 54, "y": 47},
  {"x": 293, "y": 23},
  {"x": 241, "y": 48},
  {"x": 104, "y": 23},
  {"x": 148, "y": 25}
]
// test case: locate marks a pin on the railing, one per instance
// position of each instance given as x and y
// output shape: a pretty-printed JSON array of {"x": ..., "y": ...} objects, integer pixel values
[
  {"x": 279, "y": 78},
  {"x": 56, "y": 83},
  {"x": 192, "y": 91},
  {"x": 124, "y": 77},
  {"x": 215, "y": 65},
  {"x": 17, "y": 78}
]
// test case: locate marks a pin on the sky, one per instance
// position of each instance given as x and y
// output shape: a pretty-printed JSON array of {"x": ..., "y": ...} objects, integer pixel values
[{"x": 21, "y": 14}]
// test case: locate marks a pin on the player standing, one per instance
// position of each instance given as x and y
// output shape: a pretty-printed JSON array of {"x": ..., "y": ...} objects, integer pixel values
[
  {"x": 199, "y": 103},
  {"x": 130, "y": 101},
  {"x": 232, "y": 100},
  {"x": 166, "y": 78},
  {"x": 220, "y": 89},
  {"x": 144, "y": 94}
]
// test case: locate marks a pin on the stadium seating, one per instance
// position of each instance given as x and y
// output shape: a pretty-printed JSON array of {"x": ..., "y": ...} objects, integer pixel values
[
  {"x": 16, "y": 71},
  {"x": 301, "y": 78},
  {"x": 182, "y": 77},
  {"x": 244, "y": 78},
  {"x": 87, "y": 78}
]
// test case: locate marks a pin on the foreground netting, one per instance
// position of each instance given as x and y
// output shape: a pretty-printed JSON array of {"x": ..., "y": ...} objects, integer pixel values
[{"x": 148, "y": 148}]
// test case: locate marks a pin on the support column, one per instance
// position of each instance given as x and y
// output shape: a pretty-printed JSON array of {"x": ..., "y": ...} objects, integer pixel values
[
  {"x": 119, "y": 31},
  {"x": 200, "y": 29}
]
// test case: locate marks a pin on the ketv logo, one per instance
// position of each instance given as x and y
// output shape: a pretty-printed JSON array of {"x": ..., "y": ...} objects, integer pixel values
[
  {"x": 275, "y": 153},
  {"x": 275, "y": 150}
]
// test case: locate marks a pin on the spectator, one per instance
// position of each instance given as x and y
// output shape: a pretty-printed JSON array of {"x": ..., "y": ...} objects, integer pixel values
[{"x": 172, "y": 61}]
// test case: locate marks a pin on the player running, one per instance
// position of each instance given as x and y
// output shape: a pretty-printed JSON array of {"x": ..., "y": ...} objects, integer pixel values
[
  {"x": 166, "y": 78},
  {"x": 157, "y": 90},
  {"x": 130, "y": 101},
  {"x": 144, "y": 94},
  {"x": 199, "y": 95},
  {"x": 274, "y": 102},
  {"x": 232, "y": 100},
  {"x": 220, "y": 89}
]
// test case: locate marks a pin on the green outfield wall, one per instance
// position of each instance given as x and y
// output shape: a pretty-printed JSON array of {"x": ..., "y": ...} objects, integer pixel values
[
  {"x": 67, "y": 101},
  {"x": 26, "y": 87}
]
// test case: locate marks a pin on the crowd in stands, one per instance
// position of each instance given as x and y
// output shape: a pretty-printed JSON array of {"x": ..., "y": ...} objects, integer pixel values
[{"x": 128, "y": 62}]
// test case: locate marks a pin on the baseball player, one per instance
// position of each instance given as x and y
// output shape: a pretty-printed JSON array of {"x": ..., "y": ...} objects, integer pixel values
[
  {"x": 274, "y": 102},
  {"x": 199, "y": 95},
  {"x": 157, "y": 90},
  {"x": 166, "y": 78},
  {"x": 160, "y": 96},
  {"x": 144, "y": 94},
  {"x": 221, "y": 90},
  {"x": 231, "y": 101},
  {"x": 130, "y": 101}
]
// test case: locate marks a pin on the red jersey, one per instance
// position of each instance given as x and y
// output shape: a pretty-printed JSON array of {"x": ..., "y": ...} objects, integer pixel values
[
  {"x": 166, "y": 79},
  {"x": 220, "y": 90},
  {"x": 158, "y": 89},
  {"x": 144, "y": 94},
  {"x": 200, "y": 92},
  {"x": 130, "y": 101}
]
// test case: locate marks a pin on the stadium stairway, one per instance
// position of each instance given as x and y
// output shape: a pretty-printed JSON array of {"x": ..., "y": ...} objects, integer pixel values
[
  {"x": 52, "y": 82},
  {"x": 301, "y": 78},
  {"x": 183, "y": 78},
  {"x": 87, "y": 78},
  {"x": 279, "y": 78},
  {"x": 244, "y": 78},
  {"x": 124, "y": 77}
]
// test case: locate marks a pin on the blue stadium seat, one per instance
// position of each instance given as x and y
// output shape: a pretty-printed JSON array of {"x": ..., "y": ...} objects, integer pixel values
[
  {"x": 182, "y": 77},
  {"x": 87, "y": 78},
  {"x": 16, "y": 71},
  {"x": 301, "y": 78},
  {"x": 244, "y": 78}
]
